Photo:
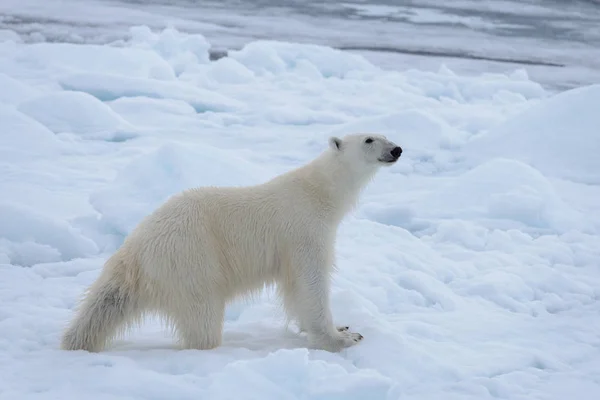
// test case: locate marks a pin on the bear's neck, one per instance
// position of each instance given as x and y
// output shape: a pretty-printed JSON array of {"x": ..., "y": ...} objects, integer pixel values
[{"x": 336, "y": 182}]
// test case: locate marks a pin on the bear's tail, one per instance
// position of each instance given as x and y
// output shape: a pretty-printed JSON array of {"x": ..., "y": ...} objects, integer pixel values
[{"x": 110, "y": 303}]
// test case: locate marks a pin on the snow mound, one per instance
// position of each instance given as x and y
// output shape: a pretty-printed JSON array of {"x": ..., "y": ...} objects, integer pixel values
[
  {"x": 559, "y": 136},
  {"x": 180, "y": 50},
  {"x": 503, "y": 189},
  {"x": 107, "y": 87},
  {"x": 500, "y": 87},
  {"x": 291, "y": 374},
  {"x": 150, "y": 112},
  {"x": 14, "y": 91},
  {"x": 28, "y": 237},
  {"x": 66, "y": 58},
  {"x": 265, "y": 57},
  {"x": 6, "y": 35},
  {"x": 78, "y": 113},
  {"x": 149, "y": 180},
  {"x": 495, "y": 88},
  {"x": 229, "y": 71},
  {"x": 414, "y": 129},
  {"x": 420, "y": 133},
  {"x": 21, "y": 135},
  {"x": 148, "y": 105}
]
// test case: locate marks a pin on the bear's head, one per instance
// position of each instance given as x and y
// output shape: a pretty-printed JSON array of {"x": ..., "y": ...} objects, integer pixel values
[{"x": 370, "y": 149}]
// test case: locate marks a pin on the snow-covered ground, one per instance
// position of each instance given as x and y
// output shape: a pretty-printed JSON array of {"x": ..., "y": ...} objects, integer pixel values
[{"x": 472, "y": 267}]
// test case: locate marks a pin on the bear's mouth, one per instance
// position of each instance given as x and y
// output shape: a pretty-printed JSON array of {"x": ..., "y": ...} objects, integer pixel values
[{"x": 387, "y": 160}]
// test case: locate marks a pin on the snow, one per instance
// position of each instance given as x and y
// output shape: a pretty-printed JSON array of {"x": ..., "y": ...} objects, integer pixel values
[
  {"x": 270, "y": 57},
  {"x": 471, "y": 266},
  {"x": 78, "y": 113},
  {"x": 65, "y": 58},
  {"x": 14, "y": 91},
  {"x": 563, "y": 33},
  {"x": 29, "y": 237},
  {"x": 549, "y": 138},
  {"x": 111, "y": 87},
  {"x": 23, "y": 135}
]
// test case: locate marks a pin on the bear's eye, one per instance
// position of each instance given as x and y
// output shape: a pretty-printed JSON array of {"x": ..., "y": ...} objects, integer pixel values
[{"x": 368, "y": 140}]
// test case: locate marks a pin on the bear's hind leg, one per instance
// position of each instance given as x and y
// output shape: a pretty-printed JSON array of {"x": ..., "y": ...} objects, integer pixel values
[{"x": 200, "y": 326}]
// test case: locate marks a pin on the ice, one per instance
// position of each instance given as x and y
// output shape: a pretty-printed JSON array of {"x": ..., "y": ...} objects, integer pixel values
[
  {"x": 22, "y": 135},
  {"x": 8, "y": 35},
  {"x": 78, "y": 113},
  {"x": 13, "y": 91},
  {"x": 376, "y": 10},
  {"x": 107, "y": 87},
  {"x": 559, "y": 137},
  {"x": 464, "y": 89},
  {"x": 508, "y": 7},
  {"x": 504, "y": 189},
  {"x": 270, "y": 57},
  {"x": 229, "y": 70},
  {"x": 458, "y": 33},
  {"x": 425, "y": 16},
  {"x": 149, "y": 112},
  {"x": 471, "y": 266},
  {"x": 180, "y": 51},
  {"x": 289, "y": 374},
  {"x": 29, "y": 237},
  {"x": 65, "y": 58}
]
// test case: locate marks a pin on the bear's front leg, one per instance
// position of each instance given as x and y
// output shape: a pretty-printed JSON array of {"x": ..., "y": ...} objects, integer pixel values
[{"x": 310, "y": 295}]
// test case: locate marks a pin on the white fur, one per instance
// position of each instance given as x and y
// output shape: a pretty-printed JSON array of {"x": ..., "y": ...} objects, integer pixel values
[{"x": 205, "y": 246}]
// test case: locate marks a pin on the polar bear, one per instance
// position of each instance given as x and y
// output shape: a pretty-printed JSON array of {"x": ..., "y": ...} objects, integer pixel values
[{"x": 206, "y": 246}]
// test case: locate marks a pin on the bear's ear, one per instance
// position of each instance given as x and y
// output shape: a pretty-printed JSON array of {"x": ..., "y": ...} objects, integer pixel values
[{"x": 335, "y": 143}]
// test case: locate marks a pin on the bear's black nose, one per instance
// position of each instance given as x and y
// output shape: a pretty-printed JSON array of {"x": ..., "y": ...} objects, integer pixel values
[{"x": 396, "y": 151}]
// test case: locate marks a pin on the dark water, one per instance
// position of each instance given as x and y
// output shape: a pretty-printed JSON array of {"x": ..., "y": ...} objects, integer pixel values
[{"x": 557, "y": 42}]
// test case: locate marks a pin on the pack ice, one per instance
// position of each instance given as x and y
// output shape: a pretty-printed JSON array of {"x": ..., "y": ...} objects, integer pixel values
[{"x": 471, "y": 268}]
